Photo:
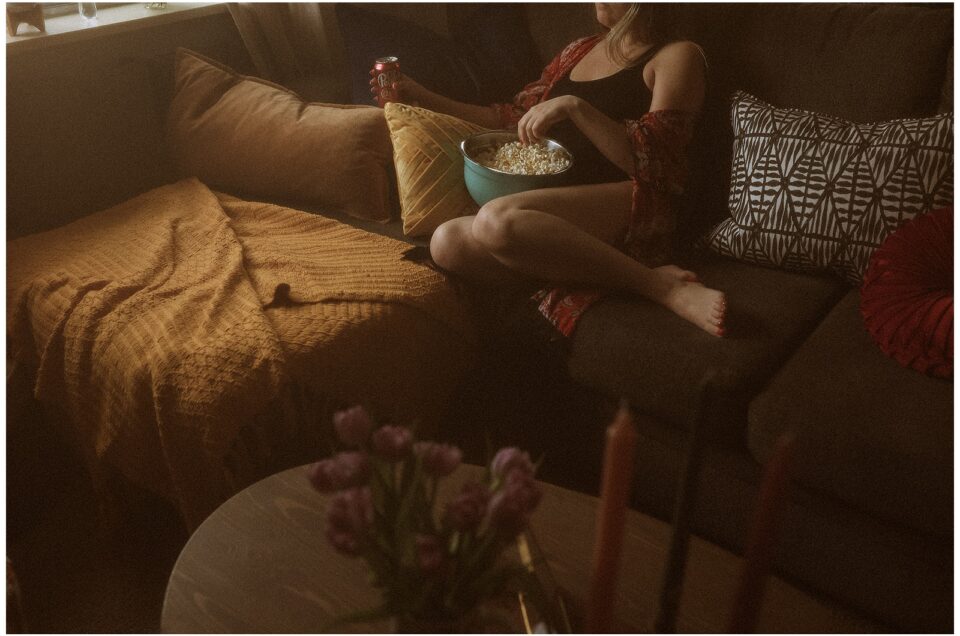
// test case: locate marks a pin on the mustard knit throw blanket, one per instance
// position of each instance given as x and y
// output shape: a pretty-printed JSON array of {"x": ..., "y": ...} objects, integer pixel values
[{"x": 159, "y": 320}]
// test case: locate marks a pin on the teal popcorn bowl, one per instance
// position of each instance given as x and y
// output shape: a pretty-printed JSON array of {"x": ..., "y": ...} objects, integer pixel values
[{"x": 485, "y": 184}]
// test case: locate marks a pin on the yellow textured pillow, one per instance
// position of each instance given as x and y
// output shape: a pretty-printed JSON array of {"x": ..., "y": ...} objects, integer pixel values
[
  {"x": 426, "y": 154},
  {"x": 249, "y": 136}
]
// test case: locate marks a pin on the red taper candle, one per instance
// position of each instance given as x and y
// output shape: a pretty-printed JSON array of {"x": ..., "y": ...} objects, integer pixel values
[
  {"x": 618, "y": 460},
  {"x": 763, "y": 537}
]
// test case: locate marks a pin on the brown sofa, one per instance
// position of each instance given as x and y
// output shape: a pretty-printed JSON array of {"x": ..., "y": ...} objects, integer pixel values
[
  {"x": 870, "y": 519},
  {"x": 869, "y": 523}
]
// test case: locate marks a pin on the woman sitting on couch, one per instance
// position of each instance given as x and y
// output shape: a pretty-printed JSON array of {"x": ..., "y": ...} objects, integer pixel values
[{"x": 618, "y": 215}]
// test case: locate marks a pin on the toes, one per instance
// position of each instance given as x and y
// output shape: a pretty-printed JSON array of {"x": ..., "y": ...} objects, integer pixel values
[
  {"x": 715, "y": 329},
  {"x": 719, "y": 318},
  {"x": 720, "y": 307},
  {"x": 718, "y": 326}
]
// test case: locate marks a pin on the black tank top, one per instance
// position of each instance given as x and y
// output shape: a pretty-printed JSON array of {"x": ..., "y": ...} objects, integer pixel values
[{"x": 623, "y": 95}]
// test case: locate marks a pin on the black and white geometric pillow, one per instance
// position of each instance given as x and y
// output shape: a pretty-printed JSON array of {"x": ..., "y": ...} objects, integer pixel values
[{"x": 810, "y": 192}]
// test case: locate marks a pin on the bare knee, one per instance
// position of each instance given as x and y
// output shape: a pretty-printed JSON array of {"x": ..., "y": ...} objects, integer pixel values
[
  {"x": 494, "y": 227},
  {"x": 449, "y": 244}
]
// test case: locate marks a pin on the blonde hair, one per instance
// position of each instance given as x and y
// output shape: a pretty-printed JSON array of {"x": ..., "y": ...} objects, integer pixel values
[{"x": 653, "y": 24}]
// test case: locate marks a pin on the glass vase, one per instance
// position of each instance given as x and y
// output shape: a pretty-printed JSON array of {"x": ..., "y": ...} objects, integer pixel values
[
  {"x": 88, "y": 12},
  {"x": 429, "y": 625}
]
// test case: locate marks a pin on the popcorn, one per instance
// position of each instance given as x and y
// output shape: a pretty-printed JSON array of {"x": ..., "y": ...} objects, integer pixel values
[{"x": 515, "y": 158}]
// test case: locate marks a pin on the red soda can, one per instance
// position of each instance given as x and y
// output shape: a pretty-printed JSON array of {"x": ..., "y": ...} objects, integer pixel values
[{"x": 386, "y": 72}]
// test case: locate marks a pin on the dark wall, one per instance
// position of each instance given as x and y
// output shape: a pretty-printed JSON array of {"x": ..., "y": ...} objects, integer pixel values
[{"x": 85, "y": 120}]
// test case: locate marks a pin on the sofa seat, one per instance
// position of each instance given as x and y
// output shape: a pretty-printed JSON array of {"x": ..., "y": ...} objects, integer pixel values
[
  {"x": 869, "y": 432},
  {"x": 636, "y": 349},
  {"x": 891, "y": 573}
]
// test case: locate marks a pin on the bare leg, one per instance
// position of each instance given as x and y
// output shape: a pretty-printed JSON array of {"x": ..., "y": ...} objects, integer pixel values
[
  {"x": 453, "y": 248},
  {"x": 454, "y": 245},
  {"x": 564, "y": 235}
]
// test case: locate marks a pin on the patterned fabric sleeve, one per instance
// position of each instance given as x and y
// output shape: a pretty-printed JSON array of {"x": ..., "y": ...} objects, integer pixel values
[
  {"x": 660, "y": 139},
  {"x": 534, "y": 92}
]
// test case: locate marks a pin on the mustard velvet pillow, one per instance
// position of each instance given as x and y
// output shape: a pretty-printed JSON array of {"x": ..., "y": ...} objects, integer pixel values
[
  {"x": 251, "y": 137},
  {"x": 426, "y": 155}
]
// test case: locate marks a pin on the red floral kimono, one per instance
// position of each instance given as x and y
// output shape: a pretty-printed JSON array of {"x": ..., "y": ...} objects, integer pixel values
[{"x": 659, "y": 141}]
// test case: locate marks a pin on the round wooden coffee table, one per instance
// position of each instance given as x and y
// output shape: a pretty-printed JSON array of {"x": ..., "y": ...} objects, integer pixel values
[{"x": 261, "y": 563}]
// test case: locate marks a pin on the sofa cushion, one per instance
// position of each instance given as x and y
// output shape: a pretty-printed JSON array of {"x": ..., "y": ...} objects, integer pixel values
[
  {"x": 426, "y": 55},
  {"x": 633, "y": 348},
  {"x": 946, "y": 91},
  {"x": 869, "y": 432},
  {"x": 426, "y": 155},
  {"x": 249, "y": 136},
  {"x": 907, "y": 295},
  {"x": 863, "y": 62},
  {"x": 554, "y": 25},
  {"x": 496, "y": 42},
  {"x": 812, "y": 192}
]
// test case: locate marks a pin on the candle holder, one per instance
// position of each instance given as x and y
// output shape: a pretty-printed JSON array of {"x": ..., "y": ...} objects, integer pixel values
[
  {"x": 762, "y": 536},
  {"x": 672, "y": 585}
]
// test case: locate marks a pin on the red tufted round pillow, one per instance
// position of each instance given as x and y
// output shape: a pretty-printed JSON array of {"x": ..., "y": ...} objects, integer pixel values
[{"x": 907, "y": 294}]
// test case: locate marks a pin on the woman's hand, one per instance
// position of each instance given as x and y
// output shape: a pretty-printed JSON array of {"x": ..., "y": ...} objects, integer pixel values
[
  {"x": 537, "y": 121},
  {"x": 407, "y": 90},
  {"x": 414, "y": 94}
]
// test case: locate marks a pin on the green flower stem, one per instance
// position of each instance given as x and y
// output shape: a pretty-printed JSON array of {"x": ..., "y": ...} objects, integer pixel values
[
  {"x": 433, "y": 493},
  {"x": 453, "y": 544},
  {"x": 466, "y": 574}
]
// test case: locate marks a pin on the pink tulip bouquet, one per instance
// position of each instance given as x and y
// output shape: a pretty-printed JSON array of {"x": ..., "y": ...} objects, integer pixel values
[{"x": 434, "y": 564}]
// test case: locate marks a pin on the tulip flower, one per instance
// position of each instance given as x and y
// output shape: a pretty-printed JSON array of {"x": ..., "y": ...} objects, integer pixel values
[
  {"x": 511, "y": 458},
  {"x": 353, "y": 425},
  {"x": 344, "y": 470},
  {"x": 393, "y": 443},
  {"x": 429, "y": 552},
  {"x": 382, "y": 507},
  {"x": 438, "y": 459},
  {"x": 466, "y": 510},
  {"x": 349, "y": 518},
  {"x": 510, "y": 507}
]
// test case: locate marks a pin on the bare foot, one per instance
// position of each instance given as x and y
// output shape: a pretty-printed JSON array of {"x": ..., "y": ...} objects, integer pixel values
[
  {"x": 704, "y": 307},
  {"x": 679, "y": 273}
]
